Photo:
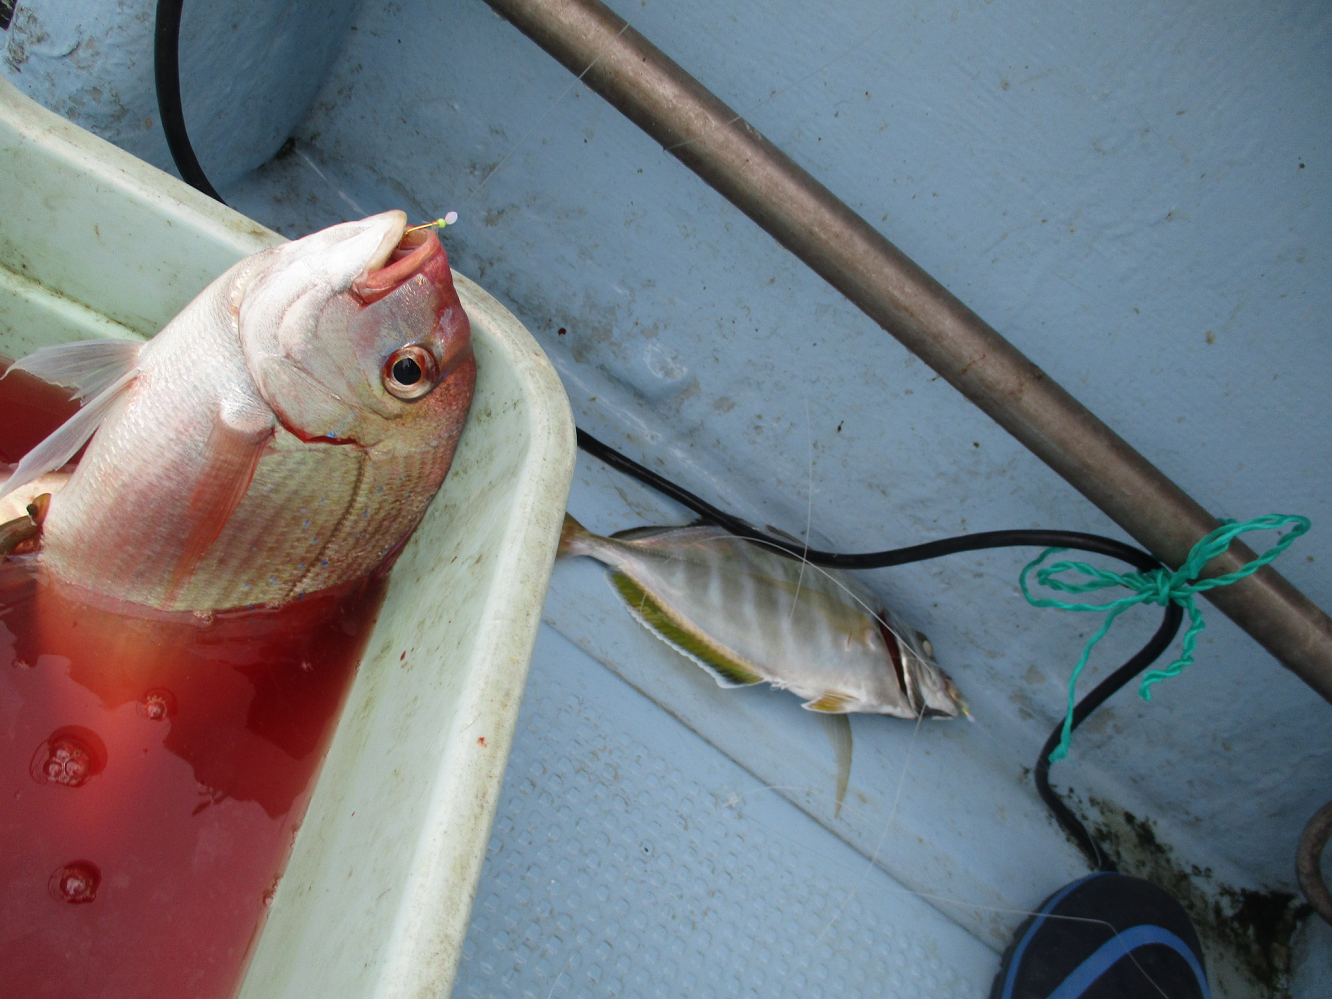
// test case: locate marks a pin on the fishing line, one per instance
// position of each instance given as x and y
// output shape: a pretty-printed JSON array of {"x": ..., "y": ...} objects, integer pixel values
[
  {"x": 896, "y": 887},
  {"x": 167, "y": 80},
  {"x": 545, "y": 114},
  {"x": 776, "y": 93},
  {"x": 1141, "y": 560},
  {"x": 324, "y": 177},
  {"x": 166, "y": 65},
  {"x": 852, "y": 885},
  {"x": 809, "y": 495},
  {"x": 555, "y": 984},
  {"x": 873, "y": 859},
  {"x": 1095, "y": 543}
]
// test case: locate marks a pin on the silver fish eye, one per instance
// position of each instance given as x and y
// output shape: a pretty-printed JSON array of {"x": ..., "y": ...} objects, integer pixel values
[{"x": 409, "y": 373}]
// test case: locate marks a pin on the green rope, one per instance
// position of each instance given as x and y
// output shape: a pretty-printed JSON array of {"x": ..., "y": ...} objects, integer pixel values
[{"x": 1160, "y": 587}]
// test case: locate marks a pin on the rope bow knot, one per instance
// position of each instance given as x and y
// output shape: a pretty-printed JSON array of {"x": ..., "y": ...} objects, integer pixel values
[{"x": 1159, "y": 586}]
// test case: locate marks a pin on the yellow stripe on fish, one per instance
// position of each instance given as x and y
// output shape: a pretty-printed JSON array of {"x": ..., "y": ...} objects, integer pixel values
[{"x": 725, "y": 669}]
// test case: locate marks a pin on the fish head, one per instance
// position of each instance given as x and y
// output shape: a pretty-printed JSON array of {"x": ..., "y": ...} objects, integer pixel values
[
  {"x": 933, "y": 690},
  {"x": 355, "y": 335}
]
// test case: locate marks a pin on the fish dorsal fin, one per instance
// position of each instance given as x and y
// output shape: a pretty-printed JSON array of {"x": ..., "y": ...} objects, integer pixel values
[
  {"x": 831, "y": 703},
  {"x": 838, "y": 727},
  {"x": 725, "y": 669},
  {"x": 65, "y": 440},
  {"x": 89, "y": 366}
]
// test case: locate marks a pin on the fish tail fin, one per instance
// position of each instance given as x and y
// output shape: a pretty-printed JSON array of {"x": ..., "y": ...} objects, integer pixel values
[{"x": 573, "y": 539}]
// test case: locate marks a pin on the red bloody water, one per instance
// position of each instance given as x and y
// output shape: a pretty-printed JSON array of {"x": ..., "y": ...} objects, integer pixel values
[
  {"x": 29, "y": 410},
  {"x": 153, "y": 771}
]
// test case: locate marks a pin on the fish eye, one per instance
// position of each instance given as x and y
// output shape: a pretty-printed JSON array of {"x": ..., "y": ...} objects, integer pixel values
[
  {"x": 409, "y": 372},
  {"x": 406, "y": 371}
]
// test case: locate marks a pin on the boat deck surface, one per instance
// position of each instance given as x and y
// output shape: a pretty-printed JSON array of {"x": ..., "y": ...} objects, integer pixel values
[{"x": 1135, "y": 198}]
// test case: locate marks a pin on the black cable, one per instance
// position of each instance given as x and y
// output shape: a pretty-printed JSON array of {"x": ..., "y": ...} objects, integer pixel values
[
  {"x": 1141, "y": 560},
  {"x": 166, "y": 76},
  {"x": 1145, "y": 656},
  {"x": 1135, "y": 557}
]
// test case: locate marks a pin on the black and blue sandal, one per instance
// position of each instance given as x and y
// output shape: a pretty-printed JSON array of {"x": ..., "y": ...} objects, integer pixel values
[{"x": 1106, "y": 936}]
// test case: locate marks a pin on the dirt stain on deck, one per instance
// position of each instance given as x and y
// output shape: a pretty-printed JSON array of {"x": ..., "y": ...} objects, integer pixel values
[{"x": 1254, "y": 928}]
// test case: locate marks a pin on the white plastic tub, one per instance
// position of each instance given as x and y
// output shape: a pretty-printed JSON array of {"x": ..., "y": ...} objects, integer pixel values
[{"x": 376, "y": 897}]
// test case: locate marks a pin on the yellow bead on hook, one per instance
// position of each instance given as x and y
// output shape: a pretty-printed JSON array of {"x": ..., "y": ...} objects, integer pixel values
[{"x": 448, "y": 219}]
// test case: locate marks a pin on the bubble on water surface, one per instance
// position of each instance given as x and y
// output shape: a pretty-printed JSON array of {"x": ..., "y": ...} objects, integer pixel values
[
  {"x": 67, "y": 762},
  {"x": 76, "y": 882},
  {"x": 271, "y": 891},
  {"x": 70, "y": 757},
  {"x": 157, "y": 704}
]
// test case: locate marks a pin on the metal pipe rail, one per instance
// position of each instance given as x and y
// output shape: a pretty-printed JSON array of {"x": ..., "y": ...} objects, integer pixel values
[{"x": 696, "y": 128}]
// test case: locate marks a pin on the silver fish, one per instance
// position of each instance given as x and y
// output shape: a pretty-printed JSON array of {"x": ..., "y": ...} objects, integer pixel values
[
  {"x": 749, "y": 615},
  {"x": 282, "y": 435}
]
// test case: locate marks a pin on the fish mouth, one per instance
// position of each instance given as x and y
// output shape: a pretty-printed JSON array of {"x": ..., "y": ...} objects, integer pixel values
[{"x": 415, "y": 249}]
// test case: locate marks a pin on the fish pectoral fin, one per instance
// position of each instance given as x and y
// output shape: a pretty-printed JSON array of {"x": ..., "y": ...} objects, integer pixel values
[
  {"x": 231, "y": 457},
  {"x": 838, "y": 727},
  {"x": 89, "y": 366},
  {"x": 830, "y": 703},
  {"x": 725, "y": 669},
  {"x": 65, "y": 441}
]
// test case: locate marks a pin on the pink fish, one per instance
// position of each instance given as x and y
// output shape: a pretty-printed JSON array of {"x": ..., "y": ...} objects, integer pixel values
[{"x": 280, "y": 436}]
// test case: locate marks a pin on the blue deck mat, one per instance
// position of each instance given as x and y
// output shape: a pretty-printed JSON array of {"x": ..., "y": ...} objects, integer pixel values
[{"x": 630, "y": 858}]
